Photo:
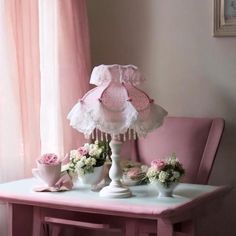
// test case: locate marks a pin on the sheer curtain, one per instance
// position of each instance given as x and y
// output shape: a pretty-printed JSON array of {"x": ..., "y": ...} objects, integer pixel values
[
  {"x": 19, "y": 88},
  {"x": 44, "y": 61},
  {"x": 64, "y": 50}
]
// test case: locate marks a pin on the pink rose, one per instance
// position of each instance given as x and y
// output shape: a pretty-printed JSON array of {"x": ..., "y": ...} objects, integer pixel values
[
  {"x": 83, "y": 151},
  {"x": 158, "y": 164},
  {"x": 49, "y": 159},
  {"x": 134, "y": 172}
]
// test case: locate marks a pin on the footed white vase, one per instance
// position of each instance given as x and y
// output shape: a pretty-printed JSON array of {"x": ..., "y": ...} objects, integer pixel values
[
  {"x": 164, "y": 191},
  {"x": 92, "y": 178}
]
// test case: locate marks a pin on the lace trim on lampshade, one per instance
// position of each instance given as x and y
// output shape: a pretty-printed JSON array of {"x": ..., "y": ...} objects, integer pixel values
[
  {"x": 119, "y": 73},
  {"x": 85, "y": 118},
  {"x": 149, "y": 119},
  {"x": 80, "y": 119}
]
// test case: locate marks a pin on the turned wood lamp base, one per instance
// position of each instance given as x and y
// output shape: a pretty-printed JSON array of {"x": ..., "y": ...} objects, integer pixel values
[{"x": 115, "y": 189}]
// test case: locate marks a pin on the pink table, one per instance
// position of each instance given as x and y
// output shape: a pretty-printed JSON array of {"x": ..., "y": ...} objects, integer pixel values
[{"x": 142, "y": 212}]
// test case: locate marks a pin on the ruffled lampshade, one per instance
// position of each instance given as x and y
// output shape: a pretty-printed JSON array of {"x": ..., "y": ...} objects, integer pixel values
[{"x": 116, "y": 107}]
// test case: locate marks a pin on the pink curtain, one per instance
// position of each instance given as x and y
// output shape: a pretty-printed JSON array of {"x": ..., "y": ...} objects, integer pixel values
[
  {"x": 19, "y": 92},
  {"x": 65, "y": 67},
  {"x": 44, "y": 61},
  {"x": 19, "y": 88},
  {"x": 52, "y": 41},
  {"x": 74, "y": 61}
]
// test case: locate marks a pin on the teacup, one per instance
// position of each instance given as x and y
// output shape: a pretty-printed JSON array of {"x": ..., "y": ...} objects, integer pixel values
[{"x": 49, "y": 174}]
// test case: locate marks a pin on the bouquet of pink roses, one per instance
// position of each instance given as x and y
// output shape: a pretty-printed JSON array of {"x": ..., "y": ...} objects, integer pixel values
[
  {"x": 165, "y": 171},
  {"x": 84, "y": 159}
]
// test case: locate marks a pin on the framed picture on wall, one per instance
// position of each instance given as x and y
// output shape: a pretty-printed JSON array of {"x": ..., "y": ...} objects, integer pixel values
[{"x": 224, "y": 18}]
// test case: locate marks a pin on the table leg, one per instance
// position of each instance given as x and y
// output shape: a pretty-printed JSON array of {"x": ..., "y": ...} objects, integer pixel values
[
  {"x": 189, "y": 227},
  {"x": 37, "y": 222},
  {"x": 19, "y": 219},
  {"x": 131, "y": 228},
  {"x": 56, "y": 230},
  {"x": 164, "y": 228},
  {"x": 10, "y": 220}
]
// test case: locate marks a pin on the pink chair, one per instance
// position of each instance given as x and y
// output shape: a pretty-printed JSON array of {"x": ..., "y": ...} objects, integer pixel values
[{"x": 195, "y": 142}]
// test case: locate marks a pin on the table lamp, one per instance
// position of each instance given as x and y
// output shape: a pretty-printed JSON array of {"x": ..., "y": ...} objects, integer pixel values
[{"x": 116, "y": 108}]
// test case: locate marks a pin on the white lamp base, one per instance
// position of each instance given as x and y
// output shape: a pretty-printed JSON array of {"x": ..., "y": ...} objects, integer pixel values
[
  {"x": 115, "y": 192},
  {"x": 115, "y": 189}
]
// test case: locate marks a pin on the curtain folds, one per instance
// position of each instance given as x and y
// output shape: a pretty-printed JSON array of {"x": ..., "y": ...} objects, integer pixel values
[
  {"x": 45, "y": 62},
  {"x": 19, "y": 92},
  {"x": 45, "y": 65},
  {"x": 19, "y": 88},
  {"x": 65, "y": 67}
]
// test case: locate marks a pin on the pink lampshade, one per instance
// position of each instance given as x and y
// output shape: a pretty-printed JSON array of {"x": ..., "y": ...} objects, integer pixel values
[{"x": 116, "y": 106}]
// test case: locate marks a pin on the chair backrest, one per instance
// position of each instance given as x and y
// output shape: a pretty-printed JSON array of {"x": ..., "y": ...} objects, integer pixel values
[{"x": 194, "y": 140}]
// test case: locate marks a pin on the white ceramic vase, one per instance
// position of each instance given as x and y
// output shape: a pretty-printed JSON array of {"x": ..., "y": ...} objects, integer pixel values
[
  {"x": 92, "y": 178},
  {"x": 164, "y": 191}
]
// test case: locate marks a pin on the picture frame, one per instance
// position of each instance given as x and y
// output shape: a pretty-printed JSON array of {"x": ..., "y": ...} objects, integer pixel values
[{"x": 224, "y": 18}]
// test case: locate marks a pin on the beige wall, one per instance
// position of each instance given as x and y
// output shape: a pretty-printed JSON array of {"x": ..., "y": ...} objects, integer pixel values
[{"x": 188, "y": 71}]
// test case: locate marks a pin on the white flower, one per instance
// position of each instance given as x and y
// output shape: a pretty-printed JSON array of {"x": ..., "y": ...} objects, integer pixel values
[
  {"x": 90, "y": 161},
  {"x": 176, "y": 174},
  {"x": 95, "y": 151},
  {"x": 172, "y": 160},
  {"x": 81, "y": 162},
  {"x": 92, "y": 146},
  {"x": 163, "y": 176},
  {"x": 93, "y": 161},
  {"x": 99, "y": 151},
  {"x": 152, "y": 173},
  {"x": 74, "y": 154},
  {"x": 144, "y": 168},
  {"x": 92, "y": 152},
  {"x": 86, "y": 145}
]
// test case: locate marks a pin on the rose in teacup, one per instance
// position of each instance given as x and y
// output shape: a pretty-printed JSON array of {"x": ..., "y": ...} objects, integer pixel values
[
  {"x": 48, "y": 169},
  {"x": 49, "y": 159}
]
